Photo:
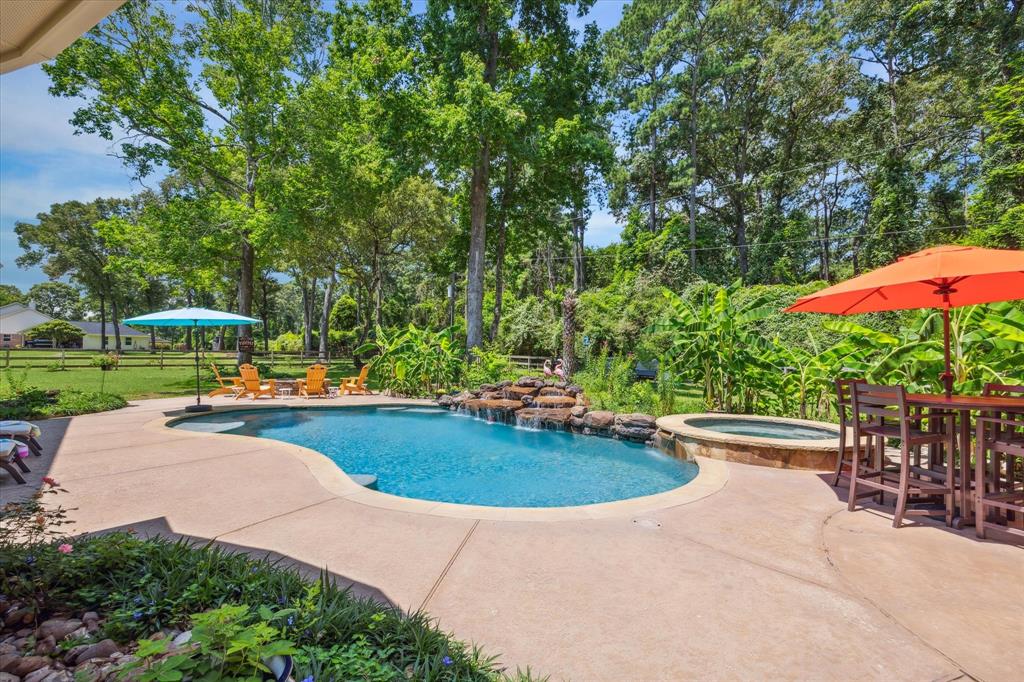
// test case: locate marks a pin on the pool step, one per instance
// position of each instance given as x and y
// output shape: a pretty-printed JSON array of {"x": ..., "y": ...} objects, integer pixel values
[{"x": 365, "y": 480}]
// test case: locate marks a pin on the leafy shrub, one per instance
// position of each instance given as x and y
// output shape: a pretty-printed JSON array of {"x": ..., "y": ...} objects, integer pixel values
[
  {"x": 22, "y": 401},
  {"x": 489, "y": 366},
  {"x": 145, "y": 585},
  {"x": 289, "y": 342},
  {"x": 105, "y": 361},
  {"x": 415, "y": 362},
  {"x": 530, "y": 326}
]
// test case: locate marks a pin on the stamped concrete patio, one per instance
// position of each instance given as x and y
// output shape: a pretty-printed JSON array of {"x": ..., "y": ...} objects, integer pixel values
[{"x": 762, "y": 575}]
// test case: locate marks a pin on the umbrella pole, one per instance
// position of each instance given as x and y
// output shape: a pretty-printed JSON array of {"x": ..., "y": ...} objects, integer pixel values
[
  {"x": 197, "y": 407},
  {"x": 947, "y": 376}
]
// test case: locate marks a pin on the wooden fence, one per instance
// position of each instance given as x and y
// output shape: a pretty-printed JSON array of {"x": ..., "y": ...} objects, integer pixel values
[
  {"x": 74, "y": 358},
  {"x": 17, "y": 358}
]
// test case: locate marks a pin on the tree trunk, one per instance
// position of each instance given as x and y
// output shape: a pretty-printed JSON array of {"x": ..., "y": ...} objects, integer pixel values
[
  {"x": 325, "y": 317},
  {"x": 245, "y": 290},
  {"x": 452, "y": 279},
  {"x": 308, "y": 292},
  {"x": 569, "y": 334},
  {"x": 499, "y": 251},
  {"x": 692, "y": 199},
  {"x": 478, "y": 196},
  {"x": 378, "y": 288},
  {"x": 578, "y": 272},
  {"x": 477, "y": 248},
  {"x": 103, "y": 322},
  {"x": 116, "y": 321},
  {"x": 265, "y": 314}
]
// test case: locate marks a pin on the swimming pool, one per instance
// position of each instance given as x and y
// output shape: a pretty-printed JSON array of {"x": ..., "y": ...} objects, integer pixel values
[{"x": 434, "y": 454}]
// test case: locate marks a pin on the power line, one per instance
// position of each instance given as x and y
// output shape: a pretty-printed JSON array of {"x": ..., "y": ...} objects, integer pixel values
[{"x": 815, "y": 240}]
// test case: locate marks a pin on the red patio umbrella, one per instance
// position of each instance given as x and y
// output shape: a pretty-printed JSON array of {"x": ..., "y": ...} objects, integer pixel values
[{"x": 942, "y": 276}]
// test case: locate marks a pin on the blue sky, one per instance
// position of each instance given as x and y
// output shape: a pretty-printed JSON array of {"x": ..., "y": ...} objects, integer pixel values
[{"x": 42, "y": 161}]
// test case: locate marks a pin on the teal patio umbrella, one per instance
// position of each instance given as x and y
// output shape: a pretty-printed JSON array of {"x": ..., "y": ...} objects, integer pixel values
[{"x": 195, "y": 318}]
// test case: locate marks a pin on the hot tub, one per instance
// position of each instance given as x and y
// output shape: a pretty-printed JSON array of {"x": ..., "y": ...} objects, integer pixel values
[{"x": 751, "y": 439}]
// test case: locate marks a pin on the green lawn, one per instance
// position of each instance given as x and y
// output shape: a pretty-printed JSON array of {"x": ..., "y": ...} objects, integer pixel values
[{"x": 141, "y": 381}]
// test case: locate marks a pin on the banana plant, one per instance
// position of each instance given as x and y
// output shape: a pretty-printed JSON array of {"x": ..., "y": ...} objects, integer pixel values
[
  {"x": 986, "y": 345},
  {"x": 415, "y": 362},
  {"x": 715, "y": 344}
]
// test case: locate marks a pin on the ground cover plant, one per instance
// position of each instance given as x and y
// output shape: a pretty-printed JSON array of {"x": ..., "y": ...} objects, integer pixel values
[{"x": 238, "y": 608}]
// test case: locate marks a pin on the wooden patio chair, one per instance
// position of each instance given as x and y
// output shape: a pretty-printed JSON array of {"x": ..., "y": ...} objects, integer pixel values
[
  {"x": 314, "y": 383},
  {"x": 881, "y": 413},
  {"x": 357, "y": 384},
  {"x": 225, "y": 388},
  {"x": 999, "y": 437},
  {"x": 844, "y": 406},
  {"x": 1001, "y": 475},
  {"x": 251, "y": 384}
]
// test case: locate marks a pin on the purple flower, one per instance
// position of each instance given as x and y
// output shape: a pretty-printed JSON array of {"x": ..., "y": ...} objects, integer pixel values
[
  {"x": 308, "y": 679},
  {"x": 291, "y": 620},
  {"x": 447, "y": 660},
  {"x": 281, "y": 600},
  {"x": 137, "y": 615},
  {"x": 30, "y": 560}
]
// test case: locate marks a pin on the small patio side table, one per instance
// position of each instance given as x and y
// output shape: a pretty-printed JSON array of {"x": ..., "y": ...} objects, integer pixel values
[{"x": 963, "y": 405}]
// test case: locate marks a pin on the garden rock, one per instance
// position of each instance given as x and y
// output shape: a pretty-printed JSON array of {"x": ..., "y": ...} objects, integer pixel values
[
  {"x": 59, "y": 676},
  {"x": 46, "y": 646},
  {"x": 26, "y": 664},
  {"x": 21, "y": 643},
  {"x": 7, "y": 677},
  {"x": 18, "y": 617},
  {"x": 72, "y": 653},
  {"x": 462, "y": 397},
  {"x": 182, "y": 639},
  {"x": 541, "y": 417},
  {"x": 599, "y": 420},
  {"x": 8, "y": 661},
  {"x": 578, "y": 411},
  {"x": 58, "y": 628},
  {"x": 552, "y": 390},
  {"x": 7, "y": 649},
  {"x": 38, "y": 675},
  {"x": 99, "y": 650},
  {"x": 635, "y": 426},
  {"x": 554, "y": 401},
  {"x": 504, "y": 384},
  {"x": 574, "y": 389},
  {"x": 530, "y": 382},
  {"x": 445, "y": 400}
]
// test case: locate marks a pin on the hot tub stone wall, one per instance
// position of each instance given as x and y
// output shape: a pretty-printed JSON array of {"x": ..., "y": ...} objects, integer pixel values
[{"x": 540, "y": 403}]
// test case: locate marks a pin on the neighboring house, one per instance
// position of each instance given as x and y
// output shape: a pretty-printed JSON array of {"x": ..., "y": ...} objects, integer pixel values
[
  {"x": 16, "y": 319},
  {"x": 131, "y": 339}
]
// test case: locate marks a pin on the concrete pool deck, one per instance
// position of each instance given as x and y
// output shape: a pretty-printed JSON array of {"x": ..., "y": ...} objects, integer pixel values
[{"x": 765, "y": 577}]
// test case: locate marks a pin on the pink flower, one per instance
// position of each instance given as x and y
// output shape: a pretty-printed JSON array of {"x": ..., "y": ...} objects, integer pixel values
[
  {"x": 50, "y": 481},
  {"x": 65, "y": 548}
]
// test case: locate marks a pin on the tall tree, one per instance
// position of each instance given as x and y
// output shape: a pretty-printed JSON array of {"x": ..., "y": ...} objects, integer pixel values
[
  {"x": 203, "y": 99},
  {"x": 479, "y": 53}
]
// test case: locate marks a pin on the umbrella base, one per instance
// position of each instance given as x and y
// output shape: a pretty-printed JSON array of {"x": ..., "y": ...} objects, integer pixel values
[{"x": 199, "y": 408}]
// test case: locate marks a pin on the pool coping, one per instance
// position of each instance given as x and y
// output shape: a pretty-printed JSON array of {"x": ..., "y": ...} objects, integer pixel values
[{"x": 711, "y": 477}]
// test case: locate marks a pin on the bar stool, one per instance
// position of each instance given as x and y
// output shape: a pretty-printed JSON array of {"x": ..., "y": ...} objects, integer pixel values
[
  {"x": 844, "y": 406},
  {"x": 872, "y": 407},
  {"x": 998, "y": 436}
]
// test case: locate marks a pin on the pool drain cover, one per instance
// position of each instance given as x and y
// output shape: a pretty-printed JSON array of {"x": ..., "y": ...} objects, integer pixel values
[{"x": 647, "y": 523}]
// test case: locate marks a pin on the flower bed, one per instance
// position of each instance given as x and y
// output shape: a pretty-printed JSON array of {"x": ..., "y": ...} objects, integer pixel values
[{"x": 117, "y": 606}]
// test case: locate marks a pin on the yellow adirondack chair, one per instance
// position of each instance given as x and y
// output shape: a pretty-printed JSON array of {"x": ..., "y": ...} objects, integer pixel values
[
  {"x": 357, "y": 384},
  {"x": 313, "y": 384},
  {"x": 251, "y": 384},
  {"x": 225, "y": 382}
]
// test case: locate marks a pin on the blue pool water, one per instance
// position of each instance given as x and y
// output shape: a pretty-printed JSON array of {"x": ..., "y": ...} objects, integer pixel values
[
  {"x": 763, "y": 428},
  {"x": 433, "y": 454}
]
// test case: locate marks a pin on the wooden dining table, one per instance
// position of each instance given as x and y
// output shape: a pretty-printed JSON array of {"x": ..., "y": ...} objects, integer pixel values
[{"x": 964, "y": 405}]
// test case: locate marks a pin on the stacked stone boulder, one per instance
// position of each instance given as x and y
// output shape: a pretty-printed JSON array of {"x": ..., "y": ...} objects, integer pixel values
[{"x": 540, "y": 403}]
